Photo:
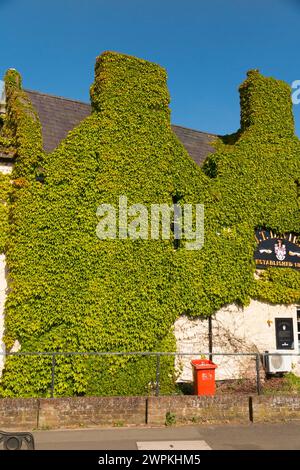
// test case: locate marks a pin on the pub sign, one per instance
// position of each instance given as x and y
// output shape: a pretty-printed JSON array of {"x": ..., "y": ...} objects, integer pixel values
[
  {"x": 275, "y": 250},
  {"x": 284, "y": 333}
]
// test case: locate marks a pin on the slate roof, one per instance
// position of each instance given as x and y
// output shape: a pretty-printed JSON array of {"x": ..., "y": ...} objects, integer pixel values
[{"x": 60, "y": 115}]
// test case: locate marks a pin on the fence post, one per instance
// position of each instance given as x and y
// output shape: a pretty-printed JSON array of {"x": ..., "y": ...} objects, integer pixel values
[
  {"x": 258, "y": 387},
  {"x": 157, "y": 374},
  {"x": 53, "y": 376}
]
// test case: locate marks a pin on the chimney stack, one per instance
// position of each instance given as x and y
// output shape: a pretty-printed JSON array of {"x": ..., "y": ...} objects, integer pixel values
[{"x": 266, "y": 106}]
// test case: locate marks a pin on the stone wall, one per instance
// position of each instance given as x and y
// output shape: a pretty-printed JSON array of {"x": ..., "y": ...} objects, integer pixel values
[
  {"x": 92, "y": 411},
  {"x": 234, "y": 329},
  {"x": 60, "y": 413},
  {"x": 194, "y": 409},
  {"x": 19, "y": 413},
  {"x": 276, "y": 408}
]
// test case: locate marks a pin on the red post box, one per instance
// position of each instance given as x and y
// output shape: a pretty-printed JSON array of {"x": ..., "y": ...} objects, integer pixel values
[{"x": 204, "y": 377}]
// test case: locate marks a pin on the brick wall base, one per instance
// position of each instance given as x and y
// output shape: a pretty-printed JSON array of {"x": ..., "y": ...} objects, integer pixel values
[
  {"x": 30, "y": 413},
  {"x": 199, "y": 409},
  {"x": 276, "y": 408},
  {"x": 18, "y": 413}
]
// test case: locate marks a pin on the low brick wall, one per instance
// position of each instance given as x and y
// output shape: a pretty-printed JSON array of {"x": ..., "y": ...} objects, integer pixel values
[
  {"x": 28, "y": 413},
  {"x": 18, "y": 413},
  {"x": 92, "y": 411},
  {"x": 194, "y": 409},
  {"x": 276, "y": 408}
]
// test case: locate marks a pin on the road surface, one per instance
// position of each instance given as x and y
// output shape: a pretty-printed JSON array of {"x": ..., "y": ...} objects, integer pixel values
[{"x": 222, "y": 437}]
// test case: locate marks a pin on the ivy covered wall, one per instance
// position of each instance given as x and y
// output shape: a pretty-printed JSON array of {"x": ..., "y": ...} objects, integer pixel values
[
  {"x": 255, "y": 176},
  {"x": 4, "y": 210},
  {"x": 72, "y": 292}
]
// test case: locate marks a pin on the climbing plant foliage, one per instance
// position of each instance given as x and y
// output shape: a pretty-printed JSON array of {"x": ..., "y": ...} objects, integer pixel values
[
  {"x": 23, "y": 127},
  {"x": 255, "y": 177},
  {"x": 4, "y": 208},
  {"x": 71, "y": 291}
]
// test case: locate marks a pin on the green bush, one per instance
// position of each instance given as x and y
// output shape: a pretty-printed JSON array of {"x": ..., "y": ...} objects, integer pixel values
[
  {"x": 292, "y": 382},
  {"x": 170, "y": 419}
]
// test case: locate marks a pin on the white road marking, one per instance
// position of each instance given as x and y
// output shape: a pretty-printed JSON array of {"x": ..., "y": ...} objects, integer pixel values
[{"x": 173, "y": 445}]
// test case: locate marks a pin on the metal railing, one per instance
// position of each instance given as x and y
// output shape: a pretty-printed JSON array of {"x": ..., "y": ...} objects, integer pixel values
[{"x": 260, "y": 360}]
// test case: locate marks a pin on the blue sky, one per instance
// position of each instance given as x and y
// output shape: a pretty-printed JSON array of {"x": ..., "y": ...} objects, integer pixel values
[{"x": 206, "y": 46}]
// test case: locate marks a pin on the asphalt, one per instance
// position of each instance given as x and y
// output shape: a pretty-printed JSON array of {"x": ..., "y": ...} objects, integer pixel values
[{"x": 284, "y": 436}]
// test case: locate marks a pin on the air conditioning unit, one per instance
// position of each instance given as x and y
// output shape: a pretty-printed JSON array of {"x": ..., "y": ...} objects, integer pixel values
[{"x": 278, "y": 363}]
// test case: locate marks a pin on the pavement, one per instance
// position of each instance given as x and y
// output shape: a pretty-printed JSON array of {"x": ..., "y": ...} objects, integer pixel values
[{"x": 280, "y": 436}]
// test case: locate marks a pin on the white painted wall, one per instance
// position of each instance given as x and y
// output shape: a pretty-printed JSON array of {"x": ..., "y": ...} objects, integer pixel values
[
  {"x": 235, "y": 329},
  {"x": 6, "y": 168}
]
